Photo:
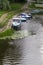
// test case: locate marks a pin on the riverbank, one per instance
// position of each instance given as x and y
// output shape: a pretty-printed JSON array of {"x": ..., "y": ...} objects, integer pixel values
[
  {"x": 6, "y": 19},
  {"x": 15, "y": 34}
]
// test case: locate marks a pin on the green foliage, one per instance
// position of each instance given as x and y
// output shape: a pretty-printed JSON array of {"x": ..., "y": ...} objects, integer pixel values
[
  {"x": 5, "y": 22},
  {"x": 5, "y": 4},
  {"x": 32, "y": 5},
  {"x": 8, "y": 32},
  {"x": 2, "y": 12},
  {"x": 16, "y": 9},
  {"x": 16, "y": 6}
]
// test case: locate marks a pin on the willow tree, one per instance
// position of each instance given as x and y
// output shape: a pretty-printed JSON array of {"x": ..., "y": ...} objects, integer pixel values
[{"x": 6, "y": 4}]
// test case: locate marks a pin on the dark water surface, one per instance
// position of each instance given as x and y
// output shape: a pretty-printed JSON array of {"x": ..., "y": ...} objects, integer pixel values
[
  {"x": 11, "y": 52},
  {"x": 3, "y": 46}
]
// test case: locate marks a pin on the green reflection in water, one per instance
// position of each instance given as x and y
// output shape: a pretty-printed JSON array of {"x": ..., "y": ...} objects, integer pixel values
[
  {"x": 10, "y": 52},
  {"x": 3, "y": 46}
]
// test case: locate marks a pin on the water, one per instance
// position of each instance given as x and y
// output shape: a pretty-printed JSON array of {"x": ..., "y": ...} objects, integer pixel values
[
  {"x": 13, "y": 54},
  {"x": 3, "y": 46},
  {"x": 25, "y": 51}
]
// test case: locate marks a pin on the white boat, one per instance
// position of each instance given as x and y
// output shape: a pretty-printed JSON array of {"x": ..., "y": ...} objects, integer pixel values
[
  {"x": 25, "y": 15},
  {"x": 19, "y": 18}
]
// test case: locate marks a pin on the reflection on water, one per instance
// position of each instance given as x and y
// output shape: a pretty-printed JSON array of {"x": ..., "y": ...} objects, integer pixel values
[
  {"x": 13, "y": 54},
  {"x": 24, "y": 51},
  {"x": 3, "y": 47}
]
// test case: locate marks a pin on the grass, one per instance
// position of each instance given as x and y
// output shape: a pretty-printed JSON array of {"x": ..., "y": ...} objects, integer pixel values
[
  {"x": 2, "y": 12},
  {"x": 7, "y": 32},
  {"x": 16, "y": 6},
  {"x": 15, "y": 9},
  {"x": 9, "y": 16}
]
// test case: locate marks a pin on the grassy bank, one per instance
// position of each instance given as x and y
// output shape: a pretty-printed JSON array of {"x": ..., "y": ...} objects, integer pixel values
[
  {"x": 15, "y": 8},
  {"x": 2, "y": 12},
  {"x": 5, "y": 22},
  {"x": 9, "y": 16},
  {"x": 7, "y": 32}
]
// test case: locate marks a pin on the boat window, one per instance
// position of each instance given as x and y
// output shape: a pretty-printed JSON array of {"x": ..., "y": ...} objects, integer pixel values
[{"x": 16, "y": 20}]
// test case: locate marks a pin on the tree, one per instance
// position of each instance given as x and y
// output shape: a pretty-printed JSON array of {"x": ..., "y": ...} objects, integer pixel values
[{"x": 6, "y": 4}]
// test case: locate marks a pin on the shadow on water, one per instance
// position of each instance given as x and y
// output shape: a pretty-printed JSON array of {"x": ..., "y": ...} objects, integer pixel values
[
  {"x": 10, "y": 52},
  {"x": 3, "y": 47}
]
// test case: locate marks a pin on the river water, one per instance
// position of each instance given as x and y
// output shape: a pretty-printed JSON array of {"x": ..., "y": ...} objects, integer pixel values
[{"x": 25, "y": 51}]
